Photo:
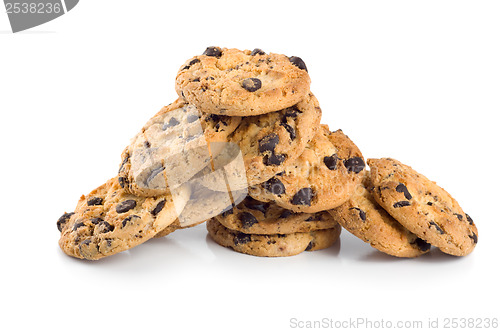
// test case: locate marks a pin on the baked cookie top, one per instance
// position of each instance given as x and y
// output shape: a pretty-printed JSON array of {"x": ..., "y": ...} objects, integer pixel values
[
  {"x": 171, "y": 148},
  {"x": 422, "y": 207},
  {"x": 233, "y": 82},
  {"x": 108, "y": 220},
  {"x": 272, "y": 141},
  {"x": 364, "y": 218},
  {"x": 323, "y": 177},
  {"x": 273, "y": 245},
  {"x": 254, "y": 217}
]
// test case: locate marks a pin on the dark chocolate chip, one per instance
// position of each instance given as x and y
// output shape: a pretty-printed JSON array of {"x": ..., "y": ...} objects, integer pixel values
[
  {"x": 126, "y": 220},
  {"x": 401, "y": 204},
  {"x": 192, "y": 118},
  {"x": 213, "y": 51},
  {"x": 439, "y": 229},
  {"x": 106, "y": 227},
  {"x": 290, "y": 130},
  {"x": 298, "y": 62},
  {"x": 96, "y": 221},
  {"x": 123, "y": 182},
  {"x": 84, "y": 243},
  {"x": 242, "y": 238},
  {"x": 429, "y": 203},
  {"x": 213, "y": 117},
  {"x": 95, "y": 201},
  {"x": 303, "y": 197},
  {"x": 274, "y": 159},
  {"x": 247, "y": 219},
  {"x": 310, "y": 246},
  {"x": 473, "y": 237},
  {"x": 401, "y": 188},
  {"x": 459, "y": 216},
  {"x": 421, "y": 244},
  {"x": 254, "y": 204},
  {"x": 469, "y": 219},
  {"x": 268, "y": 143},
  {"x": 147, "y": 144},
  {"x": 158, "y": 207},
  {"x": 227, "y": 212},
  {"x": 63, "y": 220},
  {"x": 192, "y": 62},
  {"x": 354, "y": 164},
  {"x": 125, "y": 160},
  {"x": 78, "y": 225},
  {"x": 362, "y": 213},
  {"x": 171, "y": 123},
  {"x": 331, "y": 162},
  {"x": 126, "y": 206},
  {"x": 292, "y": 112},
  {"x": 257, "y": 51},
  {"x": 274, "y": 186},
  {"x": 251, "y": 84},
  {"x": 286, "y": 214}
]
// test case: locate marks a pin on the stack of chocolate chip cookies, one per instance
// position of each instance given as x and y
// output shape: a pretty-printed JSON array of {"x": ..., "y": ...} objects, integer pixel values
[{"x": 243, "y": 149}]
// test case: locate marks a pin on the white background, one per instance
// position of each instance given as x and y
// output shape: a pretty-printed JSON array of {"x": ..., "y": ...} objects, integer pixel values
[{"x": 417, "y": 81}]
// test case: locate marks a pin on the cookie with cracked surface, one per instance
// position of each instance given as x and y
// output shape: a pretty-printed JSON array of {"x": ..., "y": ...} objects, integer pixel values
[
  {"x": 362, "y": 216},
  {"x": 242, "y": 83},
  {"x": 255, "y": 217},
  {"x": 108, "y": 220},
  {"x": 323, "y": 177},
  {"x": 272, "y": 141},
  {"x": 276, "y": 245},
  {"x": 171, "y": 148},
  {"x": 422, "y": 207}
]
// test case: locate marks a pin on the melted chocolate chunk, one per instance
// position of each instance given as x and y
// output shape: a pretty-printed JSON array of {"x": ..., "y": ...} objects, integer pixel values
[
  {"x": 257, "y": 51},
  {"x": 401, "y": 188},
  {"x": 213, "y": 51},
  {"x": 158, "y": 207},
  {"x": 298, "y": 62},
  {"x": 96, "y": 221},
  {"x": 95, "y": 201},
  {"x": 362, "y": 214},
  {"x": 354, "y": 164},
  {"x": 247, "y": 219},
  {"x": 290, "y": 130},
  {"x": 254, "y": 204},
  {"x": 274, "y": 159},
  {"x": 78, "y": 225},
  {"x": 331, "y": 162},
  {"x": 268, "y": 143},
  {"x": 469, "y": 219},
  {"x": 439, "y": 229},
  {"x": 171, "y": 123},
  {"x": 473, "y": 237},
  {"x": 241, "y": 238},
  {"x": 126, "y": 206},
  {"x": 303, "y": 197},
  {"x": 63, "y": 220},
  {"x": 401, "y": 204},
  {"x": 106, "y": 227},
  {"x": 274, "y": 186},
  {"x": 421, "y": 244},
  {"x": 251, "y": 84}
]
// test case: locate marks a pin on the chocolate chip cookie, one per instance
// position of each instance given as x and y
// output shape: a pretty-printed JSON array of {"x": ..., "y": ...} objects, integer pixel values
[
  {"x": 323, "y": 177},
  {"x": 108, "y": 220},
  {"x": 363, "y": 217},
  {"x": 272, "y": 141},
  {"x": 242, "y": 83},
  {"x": 422, "y": 207},
  {"x": 255, "y": 217},
  {"x": 171, "y": 148},
  {"x": 277, "y": 245}
]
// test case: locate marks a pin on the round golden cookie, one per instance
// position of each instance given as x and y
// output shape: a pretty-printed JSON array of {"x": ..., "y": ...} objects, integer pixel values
[
  {"x": 422, "y": 207},
  {"x": 108, "y": 220},
  {"x": 364, "y": 218},
  {"x": 242, "y": 83},
  {"x": 323, "y": 177},
  {"x": 255, "y": 217},
  {"x": 277, "y": 245}
]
